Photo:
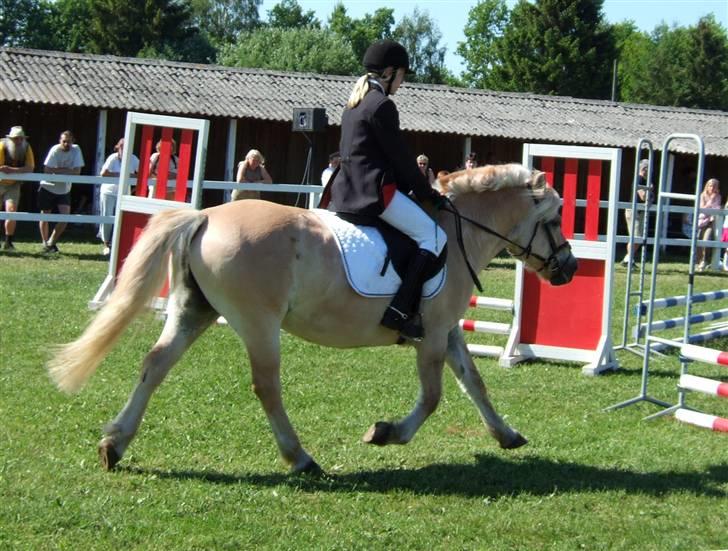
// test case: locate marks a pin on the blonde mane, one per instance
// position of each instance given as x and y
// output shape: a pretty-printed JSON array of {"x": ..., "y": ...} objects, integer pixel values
[
  {"x": 498, "y": 177},
  {"x": 485, "y": 178}
]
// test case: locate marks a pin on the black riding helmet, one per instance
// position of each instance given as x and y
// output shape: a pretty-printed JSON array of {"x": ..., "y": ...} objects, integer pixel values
[{"x": 386, "y": 53}]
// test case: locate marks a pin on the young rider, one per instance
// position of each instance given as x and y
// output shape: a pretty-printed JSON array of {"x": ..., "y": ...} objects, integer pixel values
[{"x": 378, "y": 173}]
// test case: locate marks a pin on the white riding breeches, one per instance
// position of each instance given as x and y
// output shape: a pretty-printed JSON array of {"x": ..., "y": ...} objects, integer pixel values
[{"x": 405, "y": 215}]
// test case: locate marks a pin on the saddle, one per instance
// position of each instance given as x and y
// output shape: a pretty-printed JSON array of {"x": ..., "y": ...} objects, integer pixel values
[{"x": 376, "y": 255}]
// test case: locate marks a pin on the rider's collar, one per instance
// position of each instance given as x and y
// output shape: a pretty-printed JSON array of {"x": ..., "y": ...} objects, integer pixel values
[{"x": 374, "y": 82}]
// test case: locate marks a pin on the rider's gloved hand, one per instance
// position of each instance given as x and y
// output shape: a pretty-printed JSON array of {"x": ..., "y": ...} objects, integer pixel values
[{"x": 437, "y": 199}]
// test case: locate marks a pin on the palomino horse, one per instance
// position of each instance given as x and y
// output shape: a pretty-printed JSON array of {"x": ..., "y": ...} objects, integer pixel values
[{"x": 261, "y": 266}]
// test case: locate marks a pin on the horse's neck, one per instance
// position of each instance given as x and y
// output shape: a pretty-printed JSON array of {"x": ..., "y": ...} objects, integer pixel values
[{"x": 497, "y": 211}]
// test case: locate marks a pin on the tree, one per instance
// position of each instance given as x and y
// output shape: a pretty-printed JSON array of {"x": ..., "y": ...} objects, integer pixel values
[
  {"x": 28, "y": 24},
  {"x": 486, "y": 23},
  {"x": 674, "y": 66},
  {"x": 421, "y": 37},
  {"x": 153, "y": 28},
  {"x": 360, "y": 33},
  {"x": 288, "y": 14},
  {"x": 223, "y": 20},
  {"x": 560, "y": 47},
  {"x": 300, "y": 49}
]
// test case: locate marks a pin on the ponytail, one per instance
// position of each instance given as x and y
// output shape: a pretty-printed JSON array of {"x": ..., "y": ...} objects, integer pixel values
[{"x": 359, "y": 91}]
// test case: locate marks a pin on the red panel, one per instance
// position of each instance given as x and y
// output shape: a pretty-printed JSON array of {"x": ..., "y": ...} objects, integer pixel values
[
  {"x": 183, "y": 166},
  {"x": 145, "y": 151},
  {"x": 547, "y": 167},
  {"x": 593, "y": 189},
  {"x": 132, "y": 226},
  {"x": 568, "y": 211},
  {"x": 165, "y": 153},
  {"x": 569, "y": 315}
]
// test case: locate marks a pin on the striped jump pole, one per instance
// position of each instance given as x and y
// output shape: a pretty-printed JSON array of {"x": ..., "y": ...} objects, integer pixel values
[
  {"x": 477, "y": 326},
  {"x": 491, "y": 303},
  {"x": 712, "y": 422},
  {"x": 702, "y": 354},
  {"x": 680, "y": 321},
  {"x": 701, "y": 384},
  {"x": 667, "y": 302}
]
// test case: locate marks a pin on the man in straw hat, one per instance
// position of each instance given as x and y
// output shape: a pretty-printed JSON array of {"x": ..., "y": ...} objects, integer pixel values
[{"x": 16, "y": 157}]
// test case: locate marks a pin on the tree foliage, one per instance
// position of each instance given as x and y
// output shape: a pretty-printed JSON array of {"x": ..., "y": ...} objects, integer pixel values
[
  {"x": 676, "y": 66},
  {"x": 299, "y": 49},
  {"x": 288, "y": 14},
  {"x": 560, "y": 47},
  {"x": 154, "y": 28},
  {"x": 419, "y": 34},
  {"x": 360, "y": 33},
  {"x": 486, "y": 23},
  {"x": 221, "y": 21}
]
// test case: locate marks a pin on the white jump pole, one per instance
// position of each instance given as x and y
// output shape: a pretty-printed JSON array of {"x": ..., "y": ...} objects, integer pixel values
[{"x": 712, "y": 422}]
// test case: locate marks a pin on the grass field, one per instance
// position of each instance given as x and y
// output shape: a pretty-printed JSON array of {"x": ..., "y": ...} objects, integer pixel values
[{"x": 204, "y": 472}]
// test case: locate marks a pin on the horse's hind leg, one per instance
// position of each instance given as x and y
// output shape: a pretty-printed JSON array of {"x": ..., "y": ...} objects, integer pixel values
[
  {"x": 262, "y": 340},
  {"x": 187, "y": 318},
  {"x": 461, "y": 362}
]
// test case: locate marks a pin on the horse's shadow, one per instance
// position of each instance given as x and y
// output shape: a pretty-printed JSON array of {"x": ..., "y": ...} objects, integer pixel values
[{"x": 490, "y": 476}]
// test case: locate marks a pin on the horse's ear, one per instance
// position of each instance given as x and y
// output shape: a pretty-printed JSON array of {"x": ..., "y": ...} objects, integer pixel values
[{"x": 538, "y": 179}]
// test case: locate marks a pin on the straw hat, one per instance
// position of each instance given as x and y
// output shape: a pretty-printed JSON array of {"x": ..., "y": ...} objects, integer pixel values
[{"x": 17, "y": 132}]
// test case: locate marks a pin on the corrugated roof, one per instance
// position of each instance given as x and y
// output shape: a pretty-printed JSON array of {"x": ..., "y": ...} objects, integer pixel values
[{"x": 38, "y": 76}]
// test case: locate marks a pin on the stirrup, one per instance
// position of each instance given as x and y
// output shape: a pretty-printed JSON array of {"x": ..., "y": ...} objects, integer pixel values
[
  {"x": 393, "y": 318},
  {"x": 412, "y": 329}
]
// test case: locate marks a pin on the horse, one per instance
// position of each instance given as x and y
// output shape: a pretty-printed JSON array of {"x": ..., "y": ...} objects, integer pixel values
[{"x": 266, "y": 267}]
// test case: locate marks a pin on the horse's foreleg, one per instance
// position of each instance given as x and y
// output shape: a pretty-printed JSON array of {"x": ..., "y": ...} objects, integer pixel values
[
  {"x": 429, "y": 367},
  {"x": 461, "y": 362},
  {"x": 182, "y": 327}
]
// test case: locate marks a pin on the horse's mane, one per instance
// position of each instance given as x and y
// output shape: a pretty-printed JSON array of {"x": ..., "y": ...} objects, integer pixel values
[
  {"x": 498, "y": 177},
  {"x": 485, "y": 178}
]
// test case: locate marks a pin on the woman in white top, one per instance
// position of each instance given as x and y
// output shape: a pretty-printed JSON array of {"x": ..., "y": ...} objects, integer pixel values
[{"x": 109, "y": 192}]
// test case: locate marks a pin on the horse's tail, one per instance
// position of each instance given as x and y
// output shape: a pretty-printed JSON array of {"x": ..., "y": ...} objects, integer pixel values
[{"x": 138, "y": 283}]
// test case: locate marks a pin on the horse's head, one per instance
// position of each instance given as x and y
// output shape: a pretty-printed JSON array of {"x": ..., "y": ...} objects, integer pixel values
[
  {"x": 527, "y": 214},
  {"x": 537, "y": 240}
]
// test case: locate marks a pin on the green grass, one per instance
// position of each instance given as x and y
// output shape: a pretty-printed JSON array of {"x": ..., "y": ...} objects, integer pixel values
[{"x": 203, "y": 472}]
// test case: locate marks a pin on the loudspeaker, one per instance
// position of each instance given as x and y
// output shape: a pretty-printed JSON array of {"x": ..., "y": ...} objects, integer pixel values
[{"x": 309, "y": 119}]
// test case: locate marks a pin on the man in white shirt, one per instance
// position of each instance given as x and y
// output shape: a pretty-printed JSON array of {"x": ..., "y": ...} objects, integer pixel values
[
  {"x": 63, "y": 158},
  {"x": 109, "y": 192},
  {"x": 334, "y": 160}
]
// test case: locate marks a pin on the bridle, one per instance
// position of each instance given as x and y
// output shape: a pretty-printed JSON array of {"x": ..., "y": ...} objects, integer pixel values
[{"x": 551, "y": 263}]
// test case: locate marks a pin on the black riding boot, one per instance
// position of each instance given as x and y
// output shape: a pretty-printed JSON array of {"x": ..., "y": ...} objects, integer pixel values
[{"x": 402, "y": 314}]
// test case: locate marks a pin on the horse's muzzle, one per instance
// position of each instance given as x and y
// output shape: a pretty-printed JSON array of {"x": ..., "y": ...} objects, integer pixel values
[{"x": 565, "y": 271}]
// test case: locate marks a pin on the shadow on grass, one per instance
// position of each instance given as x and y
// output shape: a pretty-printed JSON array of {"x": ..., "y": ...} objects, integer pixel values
[{"x": 489, "y": 476}]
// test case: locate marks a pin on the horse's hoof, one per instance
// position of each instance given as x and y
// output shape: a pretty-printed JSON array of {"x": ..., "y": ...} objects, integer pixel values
[
  {"x": 378, "y": 433},
  {"x": 311, "y": 468},
  {"x": 516, "y": 442},
  {"x": 108, "y": 456}
]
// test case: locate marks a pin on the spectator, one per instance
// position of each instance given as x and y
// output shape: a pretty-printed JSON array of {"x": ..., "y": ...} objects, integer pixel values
[
  {"x": 251, "y": 170},
  {"x": 334, "y": 160},
  {"x": 172, "y": 174},
  {"x": 724, "y": 238},
  {"x": 63, "y": 158},
  {"x": 423, "y": 163},
  {"x": 109, "y": 192},
  {"x": 644, "y": 195},
  {"x": 709, "y": 199},
  {"x": 471, "y": 161},
  {"x": 16, "y": 157}
]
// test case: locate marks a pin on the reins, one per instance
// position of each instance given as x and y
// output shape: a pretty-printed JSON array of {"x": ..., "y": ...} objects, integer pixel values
[{"x": 525, "y": 251}]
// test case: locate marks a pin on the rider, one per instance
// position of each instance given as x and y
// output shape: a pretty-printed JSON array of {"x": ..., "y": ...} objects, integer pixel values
[{"x": 378, "y": 175}]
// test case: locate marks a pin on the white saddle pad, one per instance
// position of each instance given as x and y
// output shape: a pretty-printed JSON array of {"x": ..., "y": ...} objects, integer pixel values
[{"x": 363, "y": 254}]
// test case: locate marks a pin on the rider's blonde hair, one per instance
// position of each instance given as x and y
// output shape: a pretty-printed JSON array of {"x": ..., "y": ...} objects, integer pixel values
[{"x": 362, "y": 86}]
